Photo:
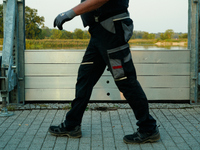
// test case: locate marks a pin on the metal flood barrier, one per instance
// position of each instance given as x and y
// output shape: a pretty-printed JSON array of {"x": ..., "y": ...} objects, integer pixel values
[{"x": 51, "y": 75}]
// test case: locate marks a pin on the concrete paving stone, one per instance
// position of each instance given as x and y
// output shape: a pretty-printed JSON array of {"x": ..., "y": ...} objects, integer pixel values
[
  {"x": 75, "y": 147},
  {"x": 106, "y": 123},
  {"x": 21, "y": 148},
  {"x": 128, "y": 132},
  {"x": 183, "y": 146},
  {"x": 61, "y": 140},
  {"x": 86, "y": 127},
  {"x": 10, "y": 132},
  {"x": 158, "y": 145},
  {"x": 45, "y": 125},
  {"x": 2, "y": 130},
  {"x": 146, "y": 146},
  {"x": 118, "y": 137},
  {"x": 96, "y": 126},
  {"x": 59, "y": 146},
  {"x": 182, "y": 131},
  {"x": 84, "y": 147},
  {"x": 97, "y": 148},
  {"x": 107, "y": 128},
  {"x": 108, "y": 134},
  {"x": 118, "y": 132},
  {"x": 43, "y": 129},
  {"x": 31, "y": 132},
  {"x": 48, "y": 144},
  {"x": 35, "y": 147},
  {"x": 2, "y": 119},
  {"x": 187, "y": 137},
  {"x": 85, "y": 141},
  {"x": 109, "y": 148},
  {"x": 171, "y": 147},
  {"x": 86, "y": 134},
  {"x": 121, "y": 148},
  {"x": 178, "y": 139},
  {"x": 120, "y": 143},
  {"x": 197, "y": 138},
  {"x": 26, "y": 141},
  {"x": 173, "y": 133},
  {"x": 10, "y": 147},
  {"x": 109, "y": 142},
  {"x": 133, "y": 146},
  {"x": 73, "y": 141},
  {"x": 47, "y": 148},
  {"x": 13, "y": 141},
  {"x": 96, "y": 131},
  {"x": 49, "y": 137},
  {"x": 117, "y": 127},
  {"x": 97, "y": 138},
  {"x": 169, "y": 143},
  {"x": 37, "y": 140},
  {"x": 5, "y": 139}
]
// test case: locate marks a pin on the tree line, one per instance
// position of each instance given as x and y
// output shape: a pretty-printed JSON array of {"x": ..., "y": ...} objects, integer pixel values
[{"x": 35, "y": 29}]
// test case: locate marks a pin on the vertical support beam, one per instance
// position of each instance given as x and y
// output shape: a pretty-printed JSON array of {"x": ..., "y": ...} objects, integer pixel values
[
  {"x": 21, "y": 49},
  {"x": 13, "y": 49},
  {"x": 193, "y": 21}
]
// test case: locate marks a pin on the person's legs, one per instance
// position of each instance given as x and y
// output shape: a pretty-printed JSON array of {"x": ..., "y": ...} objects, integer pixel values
[
  {"x": 90, "y": 70},
  {"x": 115, "y": 50}
]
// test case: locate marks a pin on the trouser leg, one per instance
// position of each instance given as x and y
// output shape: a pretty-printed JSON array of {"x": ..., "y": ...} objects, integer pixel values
[
  {"x": 90, "y": 71},
  {"x": 116, "y": 53},
  {"x": 134, "y": 94},
  {"x": 124, "y": 73}
]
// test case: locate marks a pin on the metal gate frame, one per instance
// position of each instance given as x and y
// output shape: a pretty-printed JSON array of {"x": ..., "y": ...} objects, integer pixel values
[
  {"x": 193, "y": 45},
  {"x": 12, "y": 65}
]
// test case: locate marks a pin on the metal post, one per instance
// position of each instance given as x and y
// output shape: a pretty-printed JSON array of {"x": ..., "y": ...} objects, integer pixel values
[
  {"x": 193, "y": 21},
  {"x": 12, "y": 68}
]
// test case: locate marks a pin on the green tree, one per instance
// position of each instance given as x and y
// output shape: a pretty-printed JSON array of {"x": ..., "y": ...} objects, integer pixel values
[
  {"x": 46, "y": 33},
  {"x": 1, "y": 21},
  {"x": 152, "y": 36},
  {"x": 162, "y": 36},
  {"x": 33, "y": 23},
  {"x": 86, "y": 35},
  {"x": 67, "y": 35},
  {"x": 169, "y": 34},
  {"x": 183, "y": 36},
  {"x": 145, "y": 35},
  {"x": 56, "y": 34},
  {"x": 78, "y": 34}
]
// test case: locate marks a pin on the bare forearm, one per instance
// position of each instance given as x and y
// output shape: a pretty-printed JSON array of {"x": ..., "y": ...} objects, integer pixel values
[{"x": 88, "y": 5}]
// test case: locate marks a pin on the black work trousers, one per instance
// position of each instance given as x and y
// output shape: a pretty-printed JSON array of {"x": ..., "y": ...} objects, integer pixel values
[{"x": 110, "y": 49}]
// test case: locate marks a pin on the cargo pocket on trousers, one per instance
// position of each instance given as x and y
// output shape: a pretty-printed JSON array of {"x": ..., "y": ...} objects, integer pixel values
[
  {"x": 127, "y": 25},
  {"x": 117, "y": 57}
]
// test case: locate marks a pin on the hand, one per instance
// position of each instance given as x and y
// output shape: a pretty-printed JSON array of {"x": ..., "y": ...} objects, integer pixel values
[{"x": 63, "y": 17}]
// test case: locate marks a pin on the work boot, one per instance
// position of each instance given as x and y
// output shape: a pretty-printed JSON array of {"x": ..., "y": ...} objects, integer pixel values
[
  {"x": 142, "y": 137},
  {"x": 61, "y": 130}
]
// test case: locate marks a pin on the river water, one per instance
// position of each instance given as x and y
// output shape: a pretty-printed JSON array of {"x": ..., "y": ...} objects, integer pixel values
[{"x": 158, "y": 48}]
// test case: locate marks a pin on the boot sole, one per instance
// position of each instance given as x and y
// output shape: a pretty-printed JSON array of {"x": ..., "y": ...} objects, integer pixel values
[
  {"x": 75, "y": 135},
  {"x": 151, "y": 139}
]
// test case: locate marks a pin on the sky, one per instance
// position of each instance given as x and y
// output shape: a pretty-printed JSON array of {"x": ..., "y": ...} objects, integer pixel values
[{"x": 152, "y": 16}]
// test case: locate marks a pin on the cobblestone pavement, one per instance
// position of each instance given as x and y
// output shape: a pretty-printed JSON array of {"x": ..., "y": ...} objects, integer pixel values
[{"x": 102, "y": 130}]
